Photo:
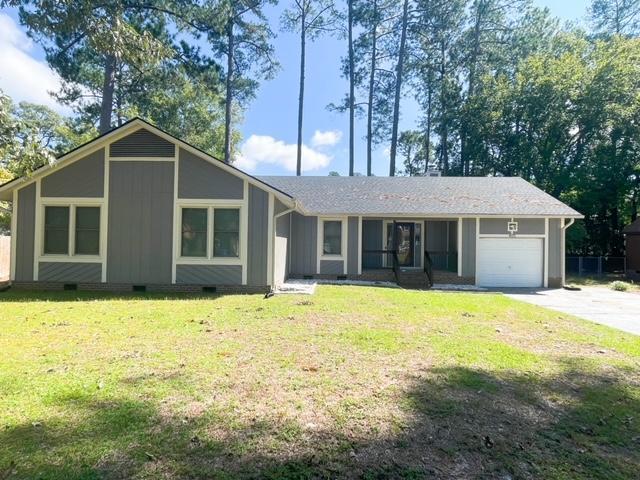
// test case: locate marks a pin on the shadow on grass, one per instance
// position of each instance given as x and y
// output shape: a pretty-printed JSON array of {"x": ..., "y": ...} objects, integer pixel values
[{"x": 464, "y": 423}]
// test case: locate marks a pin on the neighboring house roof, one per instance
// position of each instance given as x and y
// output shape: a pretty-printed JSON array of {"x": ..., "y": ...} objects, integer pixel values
[
  {"x": 444, "y": 196},
  {"x": 633, "y": 228}
]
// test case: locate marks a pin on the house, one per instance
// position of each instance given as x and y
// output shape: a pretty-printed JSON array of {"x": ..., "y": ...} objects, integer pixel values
[
  {"x": 632, "y": 249},
  {"x": 139, "y": 209}
]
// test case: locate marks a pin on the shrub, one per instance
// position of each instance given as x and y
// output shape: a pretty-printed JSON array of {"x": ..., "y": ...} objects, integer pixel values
[{"x": 619, "y": 286}]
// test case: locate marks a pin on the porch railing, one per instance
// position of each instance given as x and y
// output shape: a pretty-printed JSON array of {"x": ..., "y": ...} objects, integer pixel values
[
  {"x": 395, "y": 262},
  {"x": 428, "y": 268}
]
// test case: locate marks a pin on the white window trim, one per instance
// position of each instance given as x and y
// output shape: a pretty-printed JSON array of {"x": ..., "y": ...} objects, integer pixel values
[
  {"x": 343, "y": 242},
  {"x": 210, "y": 205},
  {"x": 70, "y": 257}
]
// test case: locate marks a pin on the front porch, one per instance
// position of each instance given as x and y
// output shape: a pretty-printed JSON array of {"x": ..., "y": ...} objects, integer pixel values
[{"x": 415, "y": 253}]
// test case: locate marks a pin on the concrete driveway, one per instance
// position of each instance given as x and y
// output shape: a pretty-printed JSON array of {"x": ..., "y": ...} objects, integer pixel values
[{"x": 601, "y": 305}]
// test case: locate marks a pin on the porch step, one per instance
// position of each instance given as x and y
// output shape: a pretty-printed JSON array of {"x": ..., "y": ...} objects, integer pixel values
[{"x": 413, "y": 279}]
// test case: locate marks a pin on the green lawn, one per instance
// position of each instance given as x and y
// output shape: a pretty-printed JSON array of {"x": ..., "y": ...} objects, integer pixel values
[{"x": 353, "y": 382}]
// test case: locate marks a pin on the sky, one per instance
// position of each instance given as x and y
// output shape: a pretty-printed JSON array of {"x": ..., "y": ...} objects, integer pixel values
[{"x": 269, "y": 124}]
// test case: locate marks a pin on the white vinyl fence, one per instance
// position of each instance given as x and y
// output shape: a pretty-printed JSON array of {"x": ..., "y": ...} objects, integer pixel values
[{"x": 5, "y": 257}]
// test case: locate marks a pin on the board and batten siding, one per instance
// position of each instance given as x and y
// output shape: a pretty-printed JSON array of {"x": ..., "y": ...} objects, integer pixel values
[
  {"x": 69, "y": 272},
  {"x": 498, "y": 226},
  {"x": 281, "y": 248},
  {"x": 258, "y": 237},
  {"x": 140, "y": 222},
  {"x": 555, "y": 252},
  {"x": 82, "y": 179},
  {"x": 304, "y": 233},
  {"x": 198, "y": 178},
  {"x": 468, "y": 247},
  {"x": 25, "y": 230},
  {"x": 353, "y": 224}
]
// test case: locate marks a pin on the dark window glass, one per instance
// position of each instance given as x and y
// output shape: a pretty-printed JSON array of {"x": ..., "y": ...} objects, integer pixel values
[
  {"x": 332, "y": 242},
  {"x": 226, "y": 235},
  {"x": 194, "y": 232},
  {"x": 87, "y": 231},
  {"x": 56, "y": 230}
]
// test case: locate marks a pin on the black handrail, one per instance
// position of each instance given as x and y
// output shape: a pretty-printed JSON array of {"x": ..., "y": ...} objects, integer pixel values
[{"x": 428, "y": 268}]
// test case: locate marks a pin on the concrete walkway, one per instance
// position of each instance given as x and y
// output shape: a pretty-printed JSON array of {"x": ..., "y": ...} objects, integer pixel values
[{"x": 601, "y": 305}]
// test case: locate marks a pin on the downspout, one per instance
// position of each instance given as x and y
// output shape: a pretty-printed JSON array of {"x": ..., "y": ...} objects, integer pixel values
[{"x": 563, "y": 266}]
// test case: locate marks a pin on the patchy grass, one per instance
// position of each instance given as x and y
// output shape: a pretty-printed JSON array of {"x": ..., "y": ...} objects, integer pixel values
[{"x": 353, "y": 382}]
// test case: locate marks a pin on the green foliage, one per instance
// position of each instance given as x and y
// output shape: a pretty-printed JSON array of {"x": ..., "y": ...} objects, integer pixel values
[{"x": 619, "y": 286}]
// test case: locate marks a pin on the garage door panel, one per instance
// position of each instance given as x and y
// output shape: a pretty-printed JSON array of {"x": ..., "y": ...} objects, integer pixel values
[{"x": 510, "y": 262}]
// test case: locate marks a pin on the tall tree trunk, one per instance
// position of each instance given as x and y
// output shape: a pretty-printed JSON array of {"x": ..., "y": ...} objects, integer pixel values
[
  {"x": 427, "y": 134},
  {"x": 108, "y": 87},
  {"x": 475, "y": 54},
  {"x": 351, "y": 91},
  {"x": 372, "y": 79},
  {"x": 229, "y": 93},
  {"x": 444, "y": 134},
  {"x": 396, "y": 102},
  {"x": 303, "y": 46}
]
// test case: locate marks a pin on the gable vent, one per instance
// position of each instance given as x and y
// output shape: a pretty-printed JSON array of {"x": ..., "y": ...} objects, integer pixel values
[{"x": 142, "y": 143}]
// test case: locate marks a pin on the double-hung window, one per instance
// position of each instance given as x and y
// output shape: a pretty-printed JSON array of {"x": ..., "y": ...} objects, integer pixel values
[
  {"x": 194, "y": 232},
  {"x": 71, "y": 230},
  {"x": 332, "y": 237},
  {"x": 210, "y": 232}
]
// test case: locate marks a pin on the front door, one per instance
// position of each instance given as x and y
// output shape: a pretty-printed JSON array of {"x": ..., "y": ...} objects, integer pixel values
[{"x": 401, "y": 236}]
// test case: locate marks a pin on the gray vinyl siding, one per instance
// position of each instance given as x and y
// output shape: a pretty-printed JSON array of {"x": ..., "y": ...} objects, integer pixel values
[
  {"x": 258, "y": 237},
  {"x": 142, "y": 143},
  {"x": 304, "y": 244},
  {"x": 282, "y": 247},
  {"x": 371, "y": 240},
  {"x": 82, "y": 179},
  {"x": 352, "y": 246},
  {"x": 331, "y": 267},
  {"x": 140, "y": 223},
  {"x": 199, "y": 178},
  {"x": 209, "y": 274},
  {"x": 25, "y": 227},
  {"x": 69, "y": 272},
  {"x": 555, "y": 253},
  {"x": 468, "y": 247},
  {"x": 498, "y": 226}
]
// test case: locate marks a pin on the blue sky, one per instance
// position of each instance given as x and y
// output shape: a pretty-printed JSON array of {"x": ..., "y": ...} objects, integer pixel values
[{"x": 269, "y": 124}]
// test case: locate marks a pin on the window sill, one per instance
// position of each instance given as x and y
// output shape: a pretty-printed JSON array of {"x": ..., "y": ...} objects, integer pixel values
[
  {"x": 70, "y": 258},
  {"x": 209, "y": 261}
]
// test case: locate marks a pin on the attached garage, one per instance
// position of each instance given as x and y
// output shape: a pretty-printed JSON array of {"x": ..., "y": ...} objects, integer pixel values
[{"x": 510, "y": 262}]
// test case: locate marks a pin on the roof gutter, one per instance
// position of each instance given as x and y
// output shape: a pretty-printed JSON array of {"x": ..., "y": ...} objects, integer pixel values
[{"x": 567, "y": 225}]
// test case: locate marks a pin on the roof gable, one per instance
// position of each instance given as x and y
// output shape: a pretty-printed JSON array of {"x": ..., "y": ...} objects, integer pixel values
[{"x": 150, "y": 134}]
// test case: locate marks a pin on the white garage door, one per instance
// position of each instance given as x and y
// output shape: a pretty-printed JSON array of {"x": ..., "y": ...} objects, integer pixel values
[{"x": 510, "y": 262}]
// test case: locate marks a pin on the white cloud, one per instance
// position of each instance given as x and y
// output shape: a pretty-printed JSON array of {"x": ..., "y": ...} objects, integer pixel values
[
  {"x": 264, "y": 149},
  {"x": 22, "y": 77},
  {"x": 326, "y": 139}
]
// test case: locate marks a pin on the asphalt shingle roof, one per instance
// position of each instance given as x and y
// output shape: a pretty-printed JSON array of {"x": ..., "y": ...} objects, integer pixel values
[{"x": 420, "y": 196}]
